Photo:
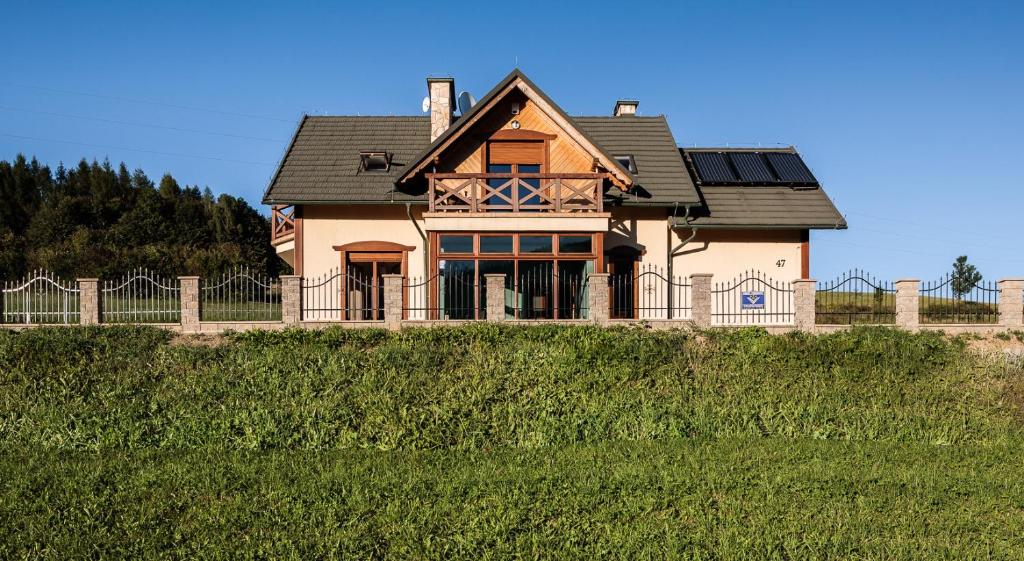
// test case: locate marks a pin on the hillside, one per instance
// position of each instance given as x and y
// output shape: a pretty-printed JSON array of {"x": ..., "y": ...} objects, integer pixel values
[
  {"x": 485, "y": 441},
  {"x": 95, "y": 220}
]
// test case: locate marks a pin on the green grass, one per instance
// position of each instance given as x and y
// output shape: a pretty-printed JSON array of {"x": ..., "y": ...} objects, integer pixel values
[{"x": 503, "y": 442}]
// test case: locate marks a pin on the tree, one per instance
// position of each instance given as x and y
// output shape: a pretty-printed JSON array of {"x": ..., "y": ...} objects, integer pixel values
[
  {"x": 98, "y": 220},
  {"x": 965, "y": 277}
]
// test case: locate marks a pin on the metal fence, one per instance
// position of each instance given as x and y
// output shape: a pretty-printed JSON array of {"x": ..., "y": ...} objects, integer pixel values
[
  {"x": 855, "y": 297},
  {"x": 448, "y": 295},
  {"x": 752, "y": 299},
  {"x": 350, "y": 295},
  {"x": 41, "y": 297},
  {"x": 649, "y": 294},
  {"x": 141, "y": 296},
  {"x": 952, "y": 299},
  {"x": 241, "y": 295}
]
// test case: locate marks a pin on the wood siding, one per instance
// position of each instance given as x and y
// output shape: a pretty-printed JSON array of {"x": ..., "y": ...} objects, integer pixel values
[{"x": 565, "y": 155}]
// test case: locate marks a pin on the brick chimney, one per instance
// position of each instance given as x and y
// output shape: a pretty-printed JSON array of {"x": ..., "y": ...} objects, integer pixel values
[
  {"x": 442, "y": 105},
  {"x": 626, "y": 107}
]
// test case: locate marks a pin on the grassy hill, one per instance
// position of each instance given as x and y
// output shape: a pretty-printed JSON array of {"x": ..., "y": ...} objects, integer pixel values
[{"x": 503, "y": 442}]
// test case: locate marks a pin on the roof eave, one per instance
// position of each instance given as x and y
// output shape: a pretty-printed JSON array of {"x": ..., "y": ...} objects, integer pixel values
[{"x": 280, "y": 163}]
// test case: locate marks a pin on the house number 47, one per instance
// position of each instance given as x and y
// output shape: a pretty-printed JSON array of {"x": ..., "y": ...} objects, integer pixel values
[{"x": 780, "y": 263}]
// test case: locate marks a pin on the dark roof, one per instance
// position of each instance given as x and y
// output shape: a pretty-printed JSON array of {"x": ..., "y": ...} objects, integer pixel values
[
  {"x": 741, "y": 204},
  {"x": 322, "y": 163},
  {"x": 661, "y": 176}
]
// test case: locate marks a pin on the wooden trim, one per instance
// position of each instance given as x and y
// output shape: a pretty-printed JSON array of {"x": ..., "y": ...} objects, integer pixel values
[
  {"x": 373, "y": 246},
  {"x": 805, "y": 254},
  {"x": 374, "y": 252},
  {"x": 621, "y": 180},
  {"x": 521, "y": 134},
  {"x": 299, "y": 242}
]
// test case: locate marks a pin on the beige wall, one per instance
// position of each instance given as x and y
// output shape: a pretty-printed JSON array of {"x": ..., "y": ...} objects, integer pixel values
[
  {"x": 723, "y": 253},
  {"x": 326, "y": 226}
]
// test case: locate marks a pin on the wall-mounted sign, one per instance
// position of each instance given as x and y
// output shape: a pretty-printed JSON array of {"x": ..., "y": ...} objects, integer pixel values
[{"x": 752, "y": 300}]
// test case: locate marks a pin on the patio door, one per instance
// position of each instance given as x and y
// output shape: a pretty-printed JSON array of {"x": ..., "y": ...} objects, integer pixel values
[
  {"x": 515, "y": 157},
  {"x": 364, "y": 265}
]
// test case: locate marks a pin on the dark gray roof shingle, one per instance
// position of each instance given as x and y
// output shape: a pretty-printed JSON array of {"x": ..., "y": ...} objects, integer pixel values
[
  {"x": 322, "y": 163},
  {"x": 767, "y": 206},
  {"x": 322, "y": 166},
  {"x": 661, "y": 176}
]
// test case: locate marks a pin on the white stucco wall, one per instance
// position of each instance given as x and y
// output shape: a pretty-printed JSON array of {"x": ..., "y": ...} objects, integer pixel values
[{"x": 326, "y": 226}]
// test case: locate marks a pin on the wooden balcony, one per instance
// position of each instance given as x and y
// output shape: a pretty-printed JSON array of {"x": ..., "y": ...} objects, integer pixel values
[
  {"x": 524, "y": 192},
  {"x": 282, "y": 224}
]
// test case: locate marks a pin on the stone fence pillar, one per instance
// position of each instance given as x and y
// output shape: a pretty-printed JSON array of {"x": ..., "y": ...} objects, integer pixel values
[
  {"x": 803, "y": 303},
  {"x": 700, "y": 299},
  {"x": 598, "y": 302},
  {"x": 393, "y": 301},
  {"x": 190, "y": 303},
  {"x": 89, "y": 301},
  {"x": 1011, "y": 303},
  {"x": 908, "y": 302},
  {"x": 291, "y": 299},
  {"x": 494, "y": 284}
]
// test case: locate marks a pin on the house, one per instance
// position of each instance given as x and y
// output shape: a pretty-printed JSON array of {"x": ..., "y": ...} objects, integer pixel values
[{"x": 514, "y": 185}]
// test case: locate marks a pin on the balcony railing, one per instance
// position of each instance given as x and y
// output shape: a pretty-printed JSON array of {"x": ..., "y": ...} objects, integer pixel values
[
  {"x": 523, "y": 192},
  {"x": 282, "y": 223}
]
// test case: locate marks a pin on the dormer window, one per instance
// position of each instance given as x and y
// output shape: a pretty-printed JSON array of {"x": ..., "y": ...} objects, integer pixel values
[
  {"x": 627, "y": 162},
  {"x": 377, "y": 161}
]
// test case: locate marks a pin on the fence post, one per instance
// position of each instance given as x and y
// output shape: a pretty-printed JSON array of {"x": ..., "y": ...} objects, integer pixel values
[
  {"x": 494, "y": 284},
  {"x": 190, "y": 303},
  {"x": 598, "y": 298},
  {"x": 393, "y": 301},
  {"x": 291, "y": 299},
  {"x": 1011, "y": 302},
  {"x": 803, "y": 303},
  {"x": 89, "y": 301},
  {"x": 908, "y": 303},
  {"x": 700, "y": 299}
]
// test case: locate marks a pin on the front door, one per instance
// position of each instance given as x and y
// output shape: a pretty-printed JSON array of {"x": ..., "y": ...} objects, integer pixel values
[{"x": 363, "y": 291}]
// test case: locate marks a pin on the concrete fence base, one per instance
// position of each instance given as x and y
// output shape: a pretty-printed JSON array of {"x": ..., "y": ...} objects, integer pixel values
[{"x": 702, "y": 308}]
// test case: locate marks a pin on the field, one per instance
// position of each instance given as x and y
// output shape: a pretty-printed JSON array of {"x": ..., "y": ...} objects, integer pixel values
[
  {"x": 880, "y": 308},
  {"x": 502, "y": 442}
]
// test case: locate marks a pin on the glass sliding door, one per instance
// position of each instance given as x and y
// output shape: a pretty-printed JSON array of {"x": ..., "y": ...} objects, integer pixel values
[
  {"x": 457, "y": 289},
  {"x": 546, "y": 275},
  {"x": 573, "y": 289}
]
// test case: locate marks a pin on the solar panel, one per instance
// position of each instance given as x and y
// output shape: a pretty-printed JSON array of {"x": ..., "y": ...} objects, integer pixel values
[
  {"x": 790, "y": 167},
  {"x": 713, "y": 167},
  {"x": 752, "y": 167}
]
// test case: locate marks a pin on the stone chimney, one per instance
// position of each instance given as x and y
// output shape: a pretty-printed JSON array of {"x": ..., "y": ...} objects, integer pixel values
[
  {"x": 442, "y": 105},
  {"x": 625, "y": 107}
]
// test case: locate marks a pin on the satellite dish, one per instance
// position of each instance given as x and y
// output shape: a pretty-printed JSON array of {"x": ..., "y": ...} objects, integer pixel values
[
  {"x": 426, "y": 104},
  {"x": 466, "y": 102}
]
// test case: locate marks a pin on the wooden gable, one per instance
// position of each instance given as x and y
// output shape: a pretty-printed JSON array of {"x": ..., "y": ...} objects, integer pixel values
[{"x": 567, "y": 149}]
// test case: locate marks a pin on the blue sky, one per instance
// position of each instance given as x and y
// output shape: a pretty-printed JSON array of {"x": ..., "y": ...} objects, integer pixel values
[{"x": 909, "y": 114}]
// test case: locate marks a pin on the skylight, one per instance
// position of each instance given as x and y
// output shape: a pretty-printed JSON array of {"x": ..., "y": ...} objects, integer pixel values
[
  {"x": 374, "y": 161},
  {"x": 627, "y": 162}
]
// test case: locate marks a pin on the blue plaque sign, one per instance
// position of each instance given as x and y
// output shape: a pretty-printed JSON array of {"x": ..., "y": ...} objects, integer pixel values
[{"x": 752, "y": 300}]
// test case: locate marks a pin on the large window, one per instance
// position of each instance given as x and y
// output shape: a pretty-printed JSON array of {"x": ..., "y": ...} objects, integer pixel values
[{"x": 545, "y": 273}]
